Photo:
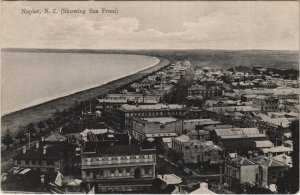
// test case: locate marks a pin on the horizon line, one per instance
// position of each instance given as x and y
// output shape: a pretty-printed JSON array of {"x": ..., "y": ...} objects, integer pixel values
[{"x": 145, "y": 49}]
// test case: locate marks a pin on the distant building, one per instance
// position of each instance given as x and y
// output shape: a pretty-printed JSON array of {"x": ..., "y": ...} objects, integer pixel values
[
  {"x": 265, "y": 103},
  {"x": 112, "y": 101},
  {"x": 206, "y": 91},
  {"x": 157, "y": 127},
  {"x": 121, "y": 117},
  {"x": 119, "y": 168},
  {"x": 237, "y": 139},
  {"x": 192, "y": 124}
]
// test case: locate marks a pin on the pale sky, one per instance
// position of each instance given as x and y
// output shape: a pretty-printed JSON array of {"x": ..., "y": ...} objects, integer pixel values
[{"x": 155, "y": 25}]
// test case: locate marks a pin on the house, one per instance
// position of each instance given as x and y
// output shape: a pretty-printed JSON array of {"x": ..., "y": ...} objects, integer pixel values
[
  {"x": 237, "y": 139},
  {"x": 45, "y": 157},
  {"x": 155, "y": 127},
  {"x": 240, "y": 170},
  {"x": 269, "y": 170},
  {"x": 118, "y": 168}
]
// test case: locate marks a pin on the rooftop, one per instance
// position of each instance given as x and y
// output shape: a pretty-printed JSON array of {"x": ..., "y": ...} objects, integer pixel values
[
  {"x": 264, "y": 144},
  {"x": 267, "y": 161},
  {"x": 238, "y": 133},
  {"x": 162, "y": 120},
  {"x": 127, "y": 107},
  {"x": 54, "y": 151},
  {"x": 182, "y": 138}
]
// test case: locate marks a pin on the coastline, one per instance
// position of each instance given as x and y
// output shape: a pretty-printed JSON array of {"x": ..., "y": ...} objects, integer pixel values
[
  {"x": 45, "y": 109},
  {"x": 67, "y": 93}
]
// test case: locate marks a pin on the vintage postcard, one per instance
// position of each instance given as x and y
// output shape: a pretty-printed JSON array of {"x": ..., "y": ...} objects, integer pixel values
[{"x": 150, "y": 97}]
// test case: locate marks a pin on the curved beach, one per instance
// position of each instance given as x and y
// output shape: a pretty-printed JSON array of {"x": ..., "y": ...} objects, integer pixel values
[{"x": 44, "y": 110}]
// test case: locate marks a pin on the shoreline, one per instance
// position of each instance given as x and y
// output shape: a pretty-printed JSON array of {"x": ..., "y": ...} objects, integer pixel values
[
  {"x": 70, "y": 92},
  {"x": 45, "y": 110}
]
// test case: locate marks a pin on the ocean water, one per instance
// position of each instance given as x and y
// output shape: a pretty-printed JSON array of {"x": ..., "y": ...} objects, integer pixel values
[{"x": 28, "y": 79}]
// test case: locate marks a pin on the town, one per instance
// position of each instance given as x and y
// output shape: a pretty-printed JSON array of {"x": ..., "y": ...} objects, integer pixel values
[{"x": 180, "y": 130}]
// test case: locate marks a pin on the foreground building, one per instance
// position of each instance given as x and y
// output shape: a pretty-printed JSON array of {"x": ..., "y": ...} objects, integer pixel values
[{"x": 118, "y": 168}]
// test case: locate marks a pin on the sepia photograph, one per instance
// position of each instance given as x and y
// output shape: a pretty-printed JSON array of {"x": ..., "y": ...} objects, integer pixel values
[{"x": 150, "y": 97}]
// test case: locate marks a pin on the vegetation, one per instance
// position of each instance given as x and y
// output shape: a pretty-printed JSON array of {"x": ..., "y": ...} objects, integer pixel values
[
  {"x": 21, "y": 134},
  {"x": 7, "y": 139}
]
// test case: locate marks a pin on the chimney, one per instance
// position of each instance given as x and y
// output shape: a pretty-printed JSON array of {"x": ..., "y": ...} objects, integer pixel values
[
  {"x": 44, "y": 149},
  {"x": 37, "y": 145},
  {"x": 24, "y": 149},
  {"x": 203, "y": 185},
  {"x": 16, "y": 170},
  {"x": 42, "y": 178}
]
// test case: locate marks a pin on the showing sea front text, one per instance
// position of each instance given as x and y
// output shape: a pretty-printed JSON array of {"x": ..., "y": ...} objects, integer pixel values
[{"x": 113, "y": 11}]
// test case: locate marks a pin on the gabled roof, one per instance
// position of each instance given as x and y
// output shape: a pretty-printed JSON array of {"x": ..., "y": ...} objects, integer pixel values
[
  {"x": 267, "y": 161},
  {"x": 241, "y": 161},
  {"x": 56, "y": 137}
]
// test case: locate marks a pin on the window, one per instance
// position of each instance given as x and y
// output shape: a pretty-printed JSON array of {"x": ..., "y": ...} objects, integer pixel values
[
  {"x": 50, "y": 162},
  {"x": 26, "y": 162},
  {"x": 40, "y": 162}
]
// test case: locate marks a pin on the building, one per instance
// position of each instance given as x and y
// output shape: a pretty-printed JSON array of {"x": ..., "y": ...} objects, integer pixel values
[
  {"x": 258, "y": 145},
  {"x": 157, "y": 127},
  {"x": 195, "y": 151},
  {"x": 269, "y": 170},
  {"x": 192, "y": 124},
  {"x": 119, "y": 168},
  {"x": 276, "y": 150},
  {"x": 178, "y": 146},
  {"x": 45, "y": 157},
  {"x": 112, "y": 101},
  {"x": 237, "y": 139},
  {"x": 206, "y": 91},
  {"x": 240, "y": 170},
  {"x": 121, "y": 117},
  {"x": 266, "y": 103}
]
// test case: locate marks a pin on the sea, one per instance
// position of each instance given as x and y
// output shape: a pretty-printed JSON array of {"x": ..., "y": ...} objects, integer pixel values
[{"x": 31, "y": 78}]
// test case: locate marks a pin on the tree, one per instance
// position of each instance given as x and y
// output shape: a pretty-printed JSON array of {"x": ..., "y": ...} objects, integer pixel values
[
  {"x": 41, "y": 125},
  {"x": 49, "y": 122},
  {"x": 20, "y": 134},
  {"x": 290, "y": 180},
  {"x": 7, "y": 138},
  {"x": 30, "y": 128}
]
